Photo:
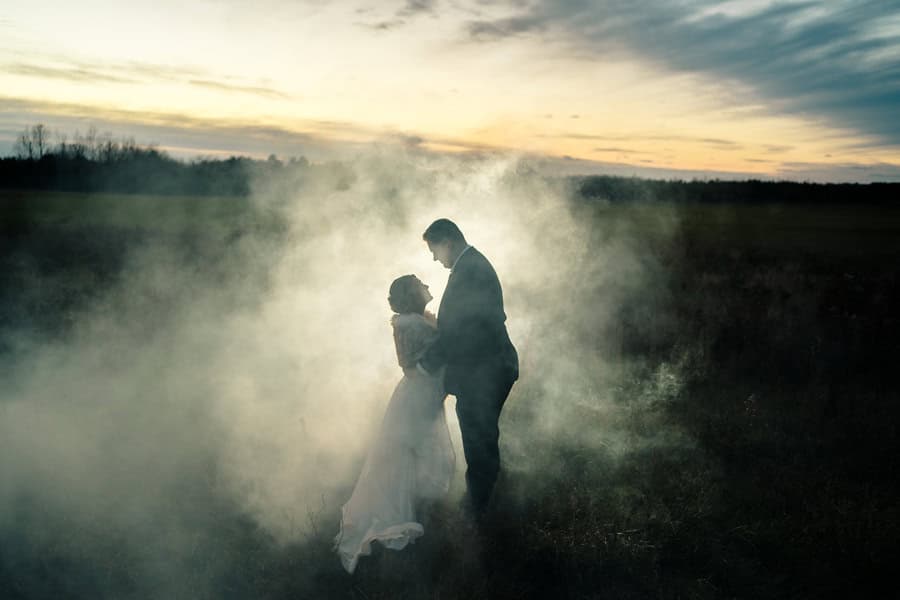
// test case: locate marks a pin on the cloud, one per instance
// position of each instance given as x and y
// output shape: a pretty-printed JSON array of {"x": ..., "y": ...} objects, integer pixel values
[
  {"x": 649, "y": 137},
  {"x": 778, "y": 148},
  {"x": 387, "y": 25},
  {"x": 258, "y": 91},
  {"x": 410, "y": 10},
  {"x": 502, "y": 28},
  {"x": 417, "y": 7},
  {"x": 70, "y": 74},
  {"x": 57, "y": 67},
  {"x": 38, "y": 62},
  {"x": 617, "y": 149},
  {"x": 154, "y": 71},
  {"x": 720, "y": 143},
  {"x": 838, "y": 63}
]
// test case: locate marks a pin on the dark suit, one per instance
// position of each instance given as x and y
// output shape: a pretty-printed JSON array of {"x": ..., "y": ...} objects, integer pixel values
[{"x": 481, "y": 365}]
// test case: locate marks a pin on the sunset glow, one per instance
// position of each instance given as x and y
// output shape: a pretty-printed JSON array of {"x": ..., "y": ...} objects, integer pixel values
[{"x": 763, "y": 88}]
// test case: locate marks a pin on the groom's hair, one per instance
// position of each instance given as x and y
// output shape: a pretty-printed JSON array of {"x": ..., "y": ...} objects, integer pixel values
[{"x": 443, "y": 230}]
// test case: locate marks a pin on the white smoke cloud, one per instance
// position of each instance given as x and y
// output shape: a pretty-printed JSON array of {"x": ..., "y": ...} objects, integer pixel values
[{"x": 262, "y": 381}]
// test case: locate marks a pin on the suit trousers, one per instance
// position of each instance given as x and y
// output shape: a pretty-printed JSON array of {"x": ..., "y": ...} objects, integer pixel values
[{"x": 480, "y": 396}]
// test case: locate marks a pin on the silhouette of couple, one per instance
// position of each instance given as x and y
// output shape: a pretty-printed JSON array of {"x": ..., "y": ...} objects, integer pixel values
[{"x": 465, "y": 351}]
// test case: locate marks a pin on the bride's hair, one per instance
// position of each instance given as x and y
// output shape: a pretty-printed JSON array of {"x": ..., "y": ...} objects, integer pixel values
[{"x": 405, "y": 295}]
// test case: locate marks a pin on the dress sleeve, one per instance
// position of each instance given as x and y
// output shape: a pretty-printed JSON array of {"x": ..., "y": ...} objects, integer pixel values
[{"x": 412, "y": 337}]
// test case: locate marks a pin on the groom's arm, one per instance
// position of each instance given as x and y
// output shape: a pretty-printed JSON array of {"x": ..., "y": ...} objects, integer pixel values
[
  {"x": 477, "y": 326},
  {"x": 434, "y": 357},
  {"x": 472, "y": 322}
]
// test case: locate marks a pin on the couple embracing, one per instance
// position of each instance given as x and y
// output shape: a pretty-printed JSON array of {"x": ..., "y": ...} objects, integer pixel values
[{"x": 465, "y": 352}]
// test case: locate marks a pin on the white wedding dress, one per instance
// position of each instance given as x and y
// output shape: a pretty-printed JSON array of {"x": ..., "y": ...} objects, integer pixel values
[{"x": 412, "y": 457}]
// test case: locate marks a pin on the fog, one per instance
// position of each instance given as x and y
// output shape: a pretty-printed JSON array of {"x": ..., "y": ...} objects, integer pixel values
[{"x": 255, "y": 385}]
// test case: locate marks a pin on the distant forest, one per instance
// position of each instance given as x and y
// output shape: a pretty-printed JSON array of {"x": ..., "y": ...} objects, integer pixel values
[{"x": 98, "y": 163}]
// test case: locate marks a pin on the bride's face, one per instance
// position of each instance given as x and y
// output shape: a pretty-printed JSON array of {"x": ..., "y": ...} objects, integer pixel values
[{"x": 426, "y": 295}]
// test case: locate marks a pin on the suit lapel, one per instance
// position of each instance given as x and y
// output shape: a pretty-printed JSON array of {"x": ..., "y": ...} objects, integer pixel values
[{"x": 447, "y": 298}]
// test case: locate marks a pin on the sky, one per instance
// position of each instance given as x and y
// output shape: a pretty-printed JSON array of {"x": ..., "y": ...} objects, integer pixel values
[{"x": 677, "y": 88}]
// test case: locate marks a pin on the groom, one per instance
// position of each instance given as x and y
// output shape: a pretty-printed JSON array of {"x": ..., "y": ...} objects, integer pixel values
[{"x": 481, "y": 362}]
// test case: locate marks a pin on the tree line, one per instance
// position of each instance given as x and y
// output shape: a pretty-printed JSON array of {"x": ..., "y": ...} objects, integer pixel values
[
  {"x": 754, "y": 191},
  {"x": 94, "y": 162}
]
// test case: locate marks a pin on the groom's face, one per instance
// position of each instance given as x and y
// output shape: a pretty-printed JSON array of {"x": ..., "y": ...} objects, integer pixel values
[{"x": 441, "y": 252}]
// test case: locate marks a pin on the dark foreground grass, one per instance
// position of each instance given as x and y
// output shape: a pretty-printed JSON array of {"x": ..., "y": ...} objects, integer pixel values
[{"x": 773, "y": 358}]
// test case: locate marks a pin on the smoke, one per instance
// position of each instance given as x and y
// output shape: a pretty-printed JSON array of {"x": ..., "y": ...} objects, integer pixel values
[{"x": 245, "y": 371}]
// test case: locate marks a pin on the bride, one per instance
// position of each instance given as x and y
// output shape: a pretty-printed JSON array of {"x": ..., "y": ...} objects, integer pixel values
[{"x": 412, "y": 457}]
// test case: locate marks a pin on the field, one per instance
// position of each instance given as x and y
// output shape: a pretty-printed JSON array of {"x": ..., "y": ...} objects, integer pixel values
[{"x": 767, "y": 356}]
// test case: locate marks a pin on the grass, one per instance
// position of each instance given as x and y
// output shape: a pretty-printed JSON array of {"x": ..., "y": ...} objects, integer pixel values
[
  {"x": 776, "y": 478},
  {"x": 19, "y": 209}
]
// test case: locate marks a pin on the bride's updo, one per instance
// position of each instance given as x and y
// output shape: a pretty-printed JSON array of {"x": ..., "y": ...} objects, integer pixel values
[{"x": 405, "y": 295}]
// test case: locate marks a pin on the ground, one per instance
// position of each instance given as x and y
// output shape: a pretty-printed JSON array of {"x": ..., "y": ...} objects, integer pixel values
[{"x": 755, "y": 451}]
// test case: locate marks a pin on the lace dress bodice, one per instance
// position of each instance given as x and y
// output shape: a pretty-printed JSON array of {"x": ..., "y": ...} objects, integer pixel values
[{"x": 413, "y": 334}]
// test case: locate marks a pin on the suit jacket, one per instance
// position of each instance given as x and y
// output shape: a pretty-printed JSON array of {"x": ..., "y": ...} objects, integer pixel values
[{"x": 472, "y": 339}]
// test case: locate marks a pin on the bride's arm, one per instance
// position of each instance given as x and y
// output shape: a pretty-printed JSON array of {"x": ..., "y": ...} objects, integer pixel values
[{"x": 412, "y": 337}]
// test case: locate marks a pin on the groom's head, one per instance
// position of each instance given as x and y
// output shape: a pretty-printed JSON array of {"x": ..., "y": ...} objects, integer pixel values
[{"x": 445, "y": 241}]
